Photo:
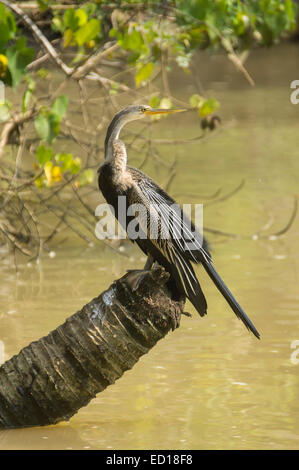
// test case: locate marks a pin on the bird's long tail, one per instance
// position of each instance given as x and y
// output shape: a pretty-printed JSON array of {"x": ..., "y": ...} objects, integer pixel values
[
  {"x": 190, "y": 283},
  {"x": 235, "y": 306}
]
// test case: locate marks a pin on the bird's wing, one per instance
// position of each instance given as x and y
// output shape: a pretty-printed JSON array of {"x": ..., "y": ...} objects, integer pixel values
[
  {"x": 172, "y": 222},
  {"x": 168, "y": 233}
]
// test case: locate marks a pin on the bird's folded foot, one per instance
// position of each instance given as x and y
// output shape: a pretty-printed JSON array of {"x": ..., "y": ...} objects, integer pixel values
[
  {"x": 175, "y": 319},
  {"x": 135, "y": 277}
]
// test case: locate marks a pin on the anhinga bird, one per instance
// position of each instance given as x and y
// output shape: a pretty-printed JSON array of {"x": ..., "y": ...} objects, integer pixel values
[{"x": 172, "y": 252}]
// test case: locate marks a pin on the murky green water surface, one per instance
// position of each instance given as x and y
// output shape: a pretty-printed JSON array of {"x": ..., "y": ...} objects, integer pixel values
[{"x": 210, "y": 384}]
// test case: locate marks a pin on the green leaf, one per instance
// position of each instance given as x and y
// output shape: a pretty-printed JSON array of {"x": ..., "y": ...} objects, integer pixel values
[
  {"x": 86, "y": 177},
  {"x": 113, "y": 33},
  {"x": 165, "y": 103},
  {"x": 40, "y": 182},
  {"x": 42, "y": 126},
  {"x": 65, "y": 160},
  {"x": 131, "y": 41},
  {"x": 44, "y": 154},
  {"x": 60, "y": 105},
  {"x": 196, "y": 100},
  {"x": 54, "y": 127},
  {"x": 28, "y": 93},
  {"x": 144, "y": 73},
  {"x": 57, "y": 24},
  {"x": 43, "y": 73},
  {"x": 290, "y": 9},
  {"x": 87, "y": 32},
  {"x": 18, "y": 57},
  {"x": 26, "y": 100},
  {"x": 82, "y": 16},
  {"x": 90, "y": 8},
  {"x": 208, "y": 107},
  {"x": 67, "y": 37},
  {"x": 4, "y": 34},
  {"x": 7, "y": 26},
  {"x": 70, "y": 20},
  {"x": 154, "y": 102},
  {"x": 75, "y": 166},
  {"x": 47, "y": 126}
]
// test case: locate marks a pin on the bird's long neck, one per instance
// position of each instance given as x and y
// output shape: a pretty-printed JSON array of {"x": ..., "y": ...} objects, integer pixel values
[{"x": 115, "y": 150}]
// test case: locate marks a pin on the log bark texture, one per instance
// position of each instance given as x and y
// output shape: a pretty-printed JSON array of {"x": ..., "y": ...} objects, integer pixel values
[{"x": 52, "y": 378}]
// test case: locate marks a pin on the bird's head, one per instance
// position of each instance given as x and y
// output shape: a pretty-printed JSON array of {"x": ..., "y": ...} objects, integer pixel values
[
  {"x": 131, "y": 113},
  {"x": 128, "y": 114}
]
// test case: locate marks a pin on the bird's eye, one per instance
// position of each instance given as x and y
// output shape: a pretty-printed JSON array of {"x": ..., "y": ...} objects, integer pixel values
[{"x": 143, "y": 109}]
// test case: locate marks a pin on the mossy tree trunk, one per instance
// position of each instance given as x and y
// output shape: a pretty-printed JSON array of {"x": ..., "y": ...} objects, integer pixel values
[{"x": 52, "y": 378}]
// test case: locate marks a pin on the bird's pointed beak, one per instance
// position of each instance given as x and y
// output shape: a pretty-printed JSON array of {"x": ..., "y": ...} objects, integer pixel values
[{"x": 151, "y": 112}]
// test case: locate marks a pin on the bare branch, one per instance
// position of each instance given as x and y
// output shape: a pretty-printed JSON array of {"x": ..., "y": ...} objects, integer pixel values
[
  {"x": 93, "y": 61},
  {"x": 12, "y": 124}
]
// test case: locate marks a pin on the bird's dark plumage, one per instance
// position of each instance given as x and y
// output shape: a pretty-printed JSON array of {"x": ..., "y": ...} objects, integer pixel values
[{"x": 173, "y": 231}]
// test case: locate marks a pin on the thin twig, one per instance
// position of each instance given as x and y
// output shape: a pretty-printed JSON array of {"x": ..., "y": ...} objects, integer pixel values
[
  {"x": 12, "y": 124},
  {"x": 289, "y": 223},
  {"x": 226, "y": 196}
]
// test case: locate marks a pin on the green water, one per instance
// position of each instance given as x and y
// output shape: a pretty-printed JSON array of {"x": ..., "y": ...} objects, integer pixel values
[{"x": 210, "y": 384}]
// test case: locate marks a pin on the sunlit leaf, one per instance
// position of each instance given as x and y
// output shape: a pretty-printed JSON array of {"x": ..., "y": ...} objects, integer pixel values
[
  {"x": 132, "y": 40},
  {"x": 65, "y": 160},
  {"x": 44, "y": 154},
  {"x": 208, "y": 106},
  {"x": 87, "y": 32},
  {"x": 52, "y": 173},
  {"x": 86, "y": 177},
  {"x": 7, "y": 26},
  {"x": 91, "y": 44},
  {"x": 47, "y": 126},
  {"x": 43, "y": 73},
  {"x": 60, "y": 105},
  {"x": 90, "y": 8},
  {"x": 290, "y": 12},
  {"x": 67, "y": 37},
  {"x": 48, "y": 172},
  {"x": 42, "y": 126},
  {"x": 40, "y": 182},
  {"x": 165, "y": 103},
  {"x": 82, "y": 16},
  {"x": 196, "y": 100},
  {"x": 26, "y": 100},
  {"x": 70, "y": 20},
  {"x": 57, "y": 24},
  {"x": 56, "y": 174},
  {"x": 75, "y": 166},
  {"x": 154, "y": 102},
  {"x": 144, "y": 73}
]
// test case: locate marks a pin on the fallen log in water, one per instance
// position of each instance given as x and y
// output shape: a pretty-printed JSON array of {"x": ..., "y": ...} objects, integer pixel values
[{"x": 52, "y": 378}]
